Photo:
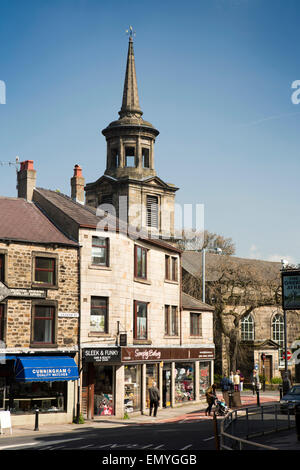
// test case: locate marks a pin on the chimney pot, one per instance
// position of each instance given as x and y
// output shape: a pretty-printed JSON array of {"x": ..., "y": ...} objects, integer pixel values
[{"x": 26, "y": 180}]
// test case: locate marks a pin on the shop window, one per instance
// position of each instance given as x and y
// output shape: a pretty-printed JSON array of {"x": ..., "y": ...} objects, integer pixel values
[
  {"x": 140, "y": 262},
  {"x": 100, "y": 251},
  {"x": 140, "y": 320},
  {"x": 184, "y": 382},
  {"x": 129, "y": 157},
  {"x": 171, "y": 320},
  {"x": 152, "y": 211},
  {"x": 247, "y": 328},
  {"x": 43, "y": 324},
  {"x": 99, "y": 314},
  {"x": 195, "y": 324},
  {"x": 29, "y": 396},
  {"x": 205, "y": 381},
  {"x": 44, "y": 270},
  {"x": 145, "y": 157},
  {"x": 1, "y": 322},
  {"x": 103, "y": 390},
  {"x": 171, "y": 268},
  {"x": 132, "y": 388}
]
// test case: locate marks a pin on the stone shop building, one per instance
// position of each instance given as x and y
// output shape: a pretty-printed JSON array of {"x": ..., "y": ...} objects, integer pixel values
[{"x": 39, "y": 312}]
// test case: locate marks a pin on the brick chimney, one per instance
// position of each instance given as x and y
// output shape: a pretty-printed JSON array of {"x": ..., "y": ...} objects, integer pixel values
[
  {"x": 26, "y": 180},
  {"x": 77, "y": 185}
]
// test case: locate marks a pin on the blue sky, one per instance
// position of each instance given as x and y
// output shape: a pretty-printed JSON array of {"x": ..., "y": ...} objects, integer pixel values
[{"x": 214, "y": 77}]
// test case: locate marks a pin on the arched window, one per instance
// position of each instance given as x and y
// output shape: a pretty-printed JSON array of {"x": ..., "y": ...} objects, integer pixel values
[
  {"x": 247, "y": 328},
  {"x": 278, "y": 332}
]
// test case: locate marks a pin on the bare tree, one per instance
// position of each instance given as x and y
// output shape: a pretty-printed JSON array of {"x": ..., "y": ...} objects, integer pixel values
[
  {"x": 197, "y": 240},
  {"x": 236, "y": 289}
]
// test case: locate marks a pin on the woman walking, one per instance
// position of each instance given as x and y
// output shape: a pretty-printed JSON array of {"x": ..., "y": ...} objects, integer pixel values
[{"x": 210, "y": 398}]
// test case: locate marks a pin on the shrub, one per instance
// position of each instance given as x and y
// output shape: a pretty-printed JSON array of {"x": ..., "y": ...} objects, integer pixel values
[
  {"x": 80, "y": 421},
  {"x": 276, "y": 380}
]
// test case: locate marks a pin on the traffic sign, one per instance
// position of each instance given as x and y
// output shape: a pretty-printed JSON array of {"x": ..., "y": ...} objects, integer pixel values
[{"x": 288, "y": 355}]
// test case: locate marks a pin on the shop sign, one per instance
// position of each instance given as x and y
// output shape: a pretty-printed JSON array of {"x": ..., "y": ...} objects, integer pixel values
[
  {"x": 290, "y": 290},
  {"x": 27, "y": 293},
  {"x": 68, "y": 315},
  {"x": 163, "y": 354},
  {"x": 103, "y": 355}
]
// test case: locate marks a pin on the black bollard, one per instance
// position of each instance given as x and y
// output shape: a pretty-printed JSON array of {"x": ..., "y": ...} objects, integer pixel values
[
  {"x": 257, "y": 393},
  {"x": 297, "y": 419},
  {"x": 36, "y": 427}
]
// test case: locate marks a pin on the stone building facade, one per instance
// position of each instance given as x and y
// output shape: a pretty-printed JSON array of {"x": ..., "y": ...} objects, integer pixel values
[{"x": 39, "y": 315}]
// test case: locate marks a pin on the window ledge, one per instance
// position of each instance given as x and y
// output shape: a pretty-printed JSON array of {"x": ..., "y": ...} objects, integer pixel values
[
  {"x": 35, "y": 285},
  {"x": 169, "y": 281},
  {"x": 142, "y": 341},
  {"x": 196, "y": 336},
  {"x": 142, "y": 281},
  {"x": 102, "y": 335},
  {"x": 42, "y": 345},
  {"x": 99, "y": 267}
]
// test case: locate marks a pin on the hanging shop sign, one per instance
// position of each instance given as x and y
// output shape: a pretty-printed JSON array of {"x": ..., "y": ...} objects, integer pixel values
[
  {"x": 102, "y": 355},
  {"x": 165, "y": 354},
  {"x": 290, "y": 290},
  {"x": 22, "y": 293}
]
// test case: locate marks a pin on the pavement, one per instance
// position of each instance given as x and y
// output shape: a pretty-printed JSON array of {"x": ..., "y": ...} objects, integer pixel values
[{"x": 184, "y": 413}]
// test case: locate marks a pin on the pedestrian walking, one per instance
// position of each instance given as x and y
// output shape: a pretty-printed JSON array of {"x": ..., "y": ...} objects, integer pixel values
[
  {"x": 231, "y": 376},
  {"x": 242, "y": 378},
  {"x": 154, "y": 398},
  {"x": 210, "y": 398},
  {"x": 236, "y": 381},
  {"x": 286, "y": 384},
  {"x": 226, "y": 387}
]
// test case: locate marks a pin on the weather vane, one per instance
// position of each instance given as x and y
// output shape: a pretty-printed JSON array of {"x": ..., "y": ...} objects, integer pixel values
[{"x": 130, "y": 32}]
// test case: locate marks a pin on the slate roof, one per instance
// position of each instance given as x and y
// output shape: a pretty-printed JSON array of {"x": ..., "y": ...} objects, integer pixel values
[
  {"x": 23, "y": 221},
  {"x": 190, "y": 303},
  {"x": 85, "y": 216},
  {"x": 192, "y": 263}
]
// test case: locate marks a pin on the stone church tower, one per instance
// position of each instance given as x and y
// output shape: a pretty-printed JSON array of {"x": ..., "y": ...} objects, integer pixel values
[{"x": 130, "y": 177}]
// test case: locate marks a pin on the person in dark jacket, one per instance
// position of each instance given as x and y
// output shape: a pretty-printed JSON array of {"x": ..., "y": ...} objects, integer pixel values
[
  {"x": 226, "y": 386},
  {"x": 154, "y": 399},
  {"x": 286, "y": 384}
]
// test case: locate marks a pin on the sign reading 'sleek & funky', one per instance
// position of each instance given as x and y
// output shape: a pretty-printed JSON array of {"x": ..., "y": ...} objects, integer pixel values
[{"x": 105, "y": 355}]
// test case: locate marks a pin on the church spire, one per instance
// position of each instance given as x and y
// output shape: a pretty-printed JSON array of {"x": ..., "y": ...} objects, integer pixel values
[{"x": 130, "y": 104}]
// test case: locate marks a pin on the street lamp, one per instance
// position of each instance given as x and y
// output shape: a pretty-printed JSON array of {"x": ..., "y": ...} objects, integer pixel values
[{"x": 213, "y": 250}]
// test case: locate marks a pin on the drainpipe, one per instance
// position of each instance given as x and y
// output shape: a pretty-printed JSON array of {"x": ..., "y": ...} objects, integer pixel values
[{"x": 79, "y": 337}]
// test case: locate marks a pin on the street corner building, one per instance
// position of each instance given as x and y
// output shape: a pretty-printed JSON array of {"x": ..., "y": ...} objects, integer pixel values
[
  {"x": 39, "y": 311},
  {"x": 136, "y": 326}
]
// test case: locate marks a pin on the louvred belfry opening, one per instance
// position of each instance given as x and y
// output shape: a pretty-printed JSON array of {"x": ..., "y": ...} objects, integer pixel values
[{"x": 152, "y": 211}]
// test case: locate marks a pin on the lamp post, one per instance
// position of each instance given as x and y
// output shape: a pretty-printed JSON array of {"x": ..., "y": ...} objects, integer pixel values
[{"x": 204, "y": 250}]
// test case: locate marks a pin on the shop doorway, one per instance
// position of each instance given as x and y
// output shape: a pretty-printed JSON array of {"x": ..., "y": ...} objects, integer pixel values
[
  {"x": 103, "y": 390},
  {"x": 268, "y": 368},
  {"x": 166, "y": 386}
]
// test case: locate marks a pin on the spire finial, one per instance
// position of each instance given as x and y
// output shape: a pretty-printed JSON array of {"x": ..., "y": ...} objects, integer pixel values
[
  {"x": 130, "y": 103},
  {"x": 130, "y": 33}
]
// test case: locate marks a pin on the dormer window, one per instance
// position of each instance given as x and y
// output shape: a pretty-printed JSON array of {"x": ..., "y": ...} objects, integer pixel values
[{"x": 130, "y": 157}]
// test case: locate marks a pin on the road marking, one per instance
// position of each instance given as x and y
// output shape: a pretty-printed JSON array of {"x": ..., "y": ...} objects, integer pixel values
[
  {"x": 19, "y": 445},
  {"x": 61, "y": 441},
  {"x": 186, "y": 447},
  {"x": 158, "y": 447},
  {"x": 209, "y": 438}
]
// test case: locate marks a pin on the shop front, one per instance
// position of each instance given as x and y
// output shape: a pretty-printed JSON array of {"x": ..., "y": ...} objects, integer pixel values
[
  {"x": 44, "y": 383},
  {"x": 182, "y": 375},
  {"x": 99, "y": 384}
]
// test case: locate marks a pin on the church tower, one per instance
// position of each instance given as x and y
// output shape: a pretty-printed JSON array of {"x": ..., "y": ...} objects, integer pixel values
[{"x": 130, "y": 173}]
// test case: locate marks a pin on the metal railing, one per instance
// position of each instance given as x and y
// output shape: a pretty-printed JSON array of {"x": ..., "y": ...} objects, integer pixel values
[{"x": 245, "y": 423}]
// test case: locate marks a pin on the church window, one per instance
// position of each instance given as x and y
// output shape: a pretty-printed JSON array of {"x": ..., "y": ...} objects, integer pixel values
[
  {"x": 146, "y": 159},
  {"x": 129, "y": 157},
  {"x": 278, "y": 333},
  {"x": 247, "y": 328}
]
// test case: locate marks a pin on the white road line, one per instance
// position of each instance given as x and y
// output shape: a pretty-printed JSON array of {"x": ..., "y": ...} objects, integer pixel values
[
  {"x": 147, "y": 446},
  {"x": 158, "y": 447},
  {"x": 13, "y": 446},
  {"x": 209, "y": 438},
  {"x": 186, "y": 447}
]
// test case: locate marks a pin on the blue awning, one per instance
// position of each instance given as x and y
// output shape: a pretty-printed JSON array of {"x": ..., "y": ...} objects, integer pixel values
[{"x": 45, "y": 369}]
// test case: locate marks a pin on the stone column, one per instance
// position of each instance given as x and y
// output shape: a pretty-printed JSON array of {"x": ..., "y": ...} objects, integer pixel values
[
  {"x": 121, "y": 153},
  {"x": 160, "y": 383},
  {"x": 144, "y": 391},
  {"x": 172, "y": 384}
]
